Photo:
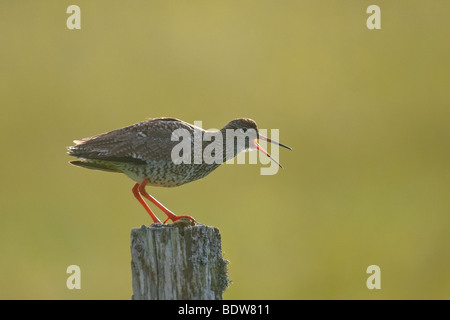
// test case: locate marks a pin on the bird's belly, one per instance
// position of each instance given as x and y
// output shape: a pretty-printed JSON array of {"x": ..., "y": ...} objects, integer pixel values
[{"x": 163, "y": 174}]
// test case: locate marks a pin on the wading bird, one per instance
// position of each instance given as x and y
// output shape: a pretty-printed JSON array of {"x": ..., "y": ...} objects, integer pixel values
[{"x": 145, "y": 153}]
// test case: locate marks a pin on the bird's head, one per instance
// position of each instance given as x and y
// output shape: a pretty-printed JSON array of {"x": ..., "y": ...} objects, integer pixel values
[{"x": 246, "y": 136}]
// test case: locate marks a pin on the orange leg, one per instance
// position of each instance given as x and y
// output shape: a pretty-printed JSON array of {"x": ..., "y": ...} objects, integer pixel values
[
  {"x": 146, "y": 207},
  {"x": 170, "y": 214}
]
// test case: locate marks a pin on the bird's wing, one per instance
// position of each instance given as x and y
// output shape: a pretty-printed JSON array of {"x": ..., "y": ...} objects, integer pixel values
[{"x": 145, "y": 141}]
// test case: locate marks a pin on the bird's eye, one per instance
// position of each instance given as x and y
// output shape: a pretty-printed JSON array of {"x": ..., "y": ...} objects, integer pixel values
[{"x": 243, "y": 130}]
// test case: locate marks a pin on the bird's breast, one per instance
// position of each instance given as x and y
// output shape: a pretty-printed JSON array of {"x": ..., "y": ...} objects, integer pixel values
[{"x": 168, "y": 174}]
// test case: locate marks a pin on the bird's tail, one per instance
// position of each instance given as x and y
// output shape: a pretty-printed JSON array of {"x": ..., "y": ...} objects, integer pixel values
[{"x": 96, "y": 165}]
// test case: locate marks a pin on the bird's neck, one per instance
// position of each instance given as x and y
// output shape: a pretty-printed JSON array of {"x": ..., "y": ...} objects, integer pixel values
[{"x": 223, "y": 142}]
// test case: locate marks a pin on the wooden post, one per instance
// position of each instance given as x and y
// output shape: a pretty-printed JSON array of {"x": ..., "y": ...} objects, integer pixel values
[{"x": 177, "y": 261}]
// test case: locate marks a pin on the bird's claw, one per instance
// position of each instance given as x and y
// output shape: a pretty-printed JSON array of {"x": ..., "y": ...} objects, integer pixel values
[{"x": 178, "y": 218}]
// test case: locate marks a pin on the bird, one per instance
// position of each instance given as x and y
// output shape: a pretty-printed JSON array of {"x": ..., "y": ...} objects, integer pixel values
[{"x": 166, "y": 152}]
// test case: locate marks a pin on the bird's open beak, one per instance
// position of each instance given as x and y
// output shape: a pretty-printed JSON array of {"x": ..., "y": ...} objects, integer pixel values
[{"x": 265, "y": 152}]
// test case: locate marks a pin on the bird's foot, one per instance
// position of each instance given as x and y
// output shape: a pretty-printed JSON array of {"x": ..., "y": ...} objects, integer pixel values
[{"x": 176, "y": 218}]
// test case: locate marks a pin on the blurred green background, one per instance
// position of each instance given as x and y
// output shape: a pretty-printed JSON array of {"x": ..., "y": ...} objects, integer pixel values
[{"x": 367, "y": 113}]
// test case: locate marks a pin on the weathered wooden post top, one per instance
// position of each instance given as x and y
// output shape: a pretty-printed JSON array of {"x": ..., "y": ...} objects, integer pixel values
[{"x": 177, "y": 261}]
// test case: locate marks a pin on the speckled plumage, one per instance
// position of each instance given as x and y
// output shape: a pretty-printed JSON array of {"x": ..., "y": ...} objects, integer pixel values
[{"x": 143, "y": 150}]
